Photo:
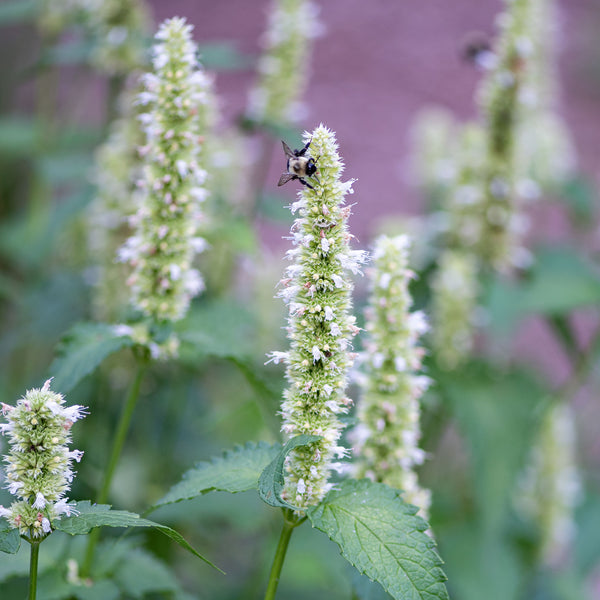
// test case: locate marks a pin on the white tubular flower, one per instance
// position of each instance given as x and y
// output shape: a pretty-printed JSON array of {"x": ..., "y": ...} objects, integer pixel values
[
  {"x": 455, "y": 290},
  {"x": 283, "y": 66},
  {"x": 319, "y": 325},
  {"x": 38, "y": 465},
  {"x": 162, "y": 249},
  {"x": 550, "y": 487},
  {"x": 386, "y": 438}
]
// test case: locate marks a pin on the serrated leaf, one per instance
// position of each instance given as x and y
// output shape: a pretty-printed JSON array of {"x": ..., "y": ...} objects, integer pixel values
[
  {"x": 236, "y": 471},
  {"x": 382, "y": 537},
  {"x": 10, "y": 541},
  {"x": 270, "y": 484},
  {"x": 101, "y": 515},
  {"x": 82, "y": 349}
]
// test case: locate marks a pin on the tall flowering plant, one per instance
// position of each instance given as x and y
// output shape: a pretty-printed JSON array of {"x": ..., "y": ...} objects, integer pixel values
[
  {"x": 386, "y": 438},
  {"x": 39, "y": 463},
  {"x": 166, "y": 237},
  {"x": 316, "y": 287}
]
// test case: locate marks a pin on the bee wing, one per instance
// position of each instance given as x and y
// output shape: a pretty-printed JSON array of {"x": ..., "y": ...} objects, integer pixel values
[
  {"x": 287, "y": 150},
  {"x": 285, "y": 177}
]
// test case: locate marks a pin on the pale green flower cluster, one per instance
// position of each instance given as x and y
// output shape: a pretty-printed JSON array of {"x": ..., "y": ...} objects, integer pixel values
[
  {"x": 386, "y": 438},
  {"x": 455, "y": 291},
  {"x": 550, "y": 485},
  {"x": 57, "y": 15},
  {"x": 545, "y": 154},
  {"x": 433, "y": 144},
  {"x": 283, "y": 65},
  {"x": 166, "y": 239},
  {"x": 454, "y": 284},
  {"x": 117, "y": 164},
  {"x": 39, "y": 464},
  {"x": 504, "y": 97},
  {"x": 119, "y": 28},
  {"x": 317, "y": 288}
]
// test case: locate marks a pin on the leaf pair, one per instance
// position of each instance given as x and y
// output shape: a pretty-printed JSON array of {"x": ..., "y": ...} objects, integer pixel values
[{"x": 376, "y": 531}]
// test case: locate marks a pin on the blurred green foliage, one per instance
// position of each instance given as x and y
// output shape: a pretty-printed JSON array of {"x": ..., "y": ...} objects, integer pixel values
[{"x": 479, "y": 421}]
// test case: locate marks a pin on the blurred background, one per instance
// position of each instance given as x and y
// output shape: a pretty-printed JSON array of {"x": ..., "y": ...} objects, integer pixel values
[{"x": 373, "y": 68}]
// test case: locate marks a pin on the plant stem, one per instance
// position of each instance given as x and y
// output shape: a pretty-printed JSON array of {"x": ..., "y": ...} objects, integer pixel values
[
  {"x": 290, "y": 522},
  {"x": 117, "y": 447},
  {"x": 33, "y": 569}
]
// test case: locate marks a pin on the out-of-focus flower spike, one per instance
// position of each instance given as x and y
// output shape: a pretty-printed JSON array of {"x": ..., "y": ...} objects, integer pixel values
[
  {"x": 283, "y": 66},
  {"x": 165, "y": 240},
  {"x": 386, "y": 438}
]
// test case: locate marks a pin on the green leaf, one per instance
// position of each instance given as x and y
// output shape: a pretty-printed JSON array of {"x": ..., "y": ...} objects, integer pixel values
[
  {"x": 222, "y": 56},
  {"x": 270, "y": 484},
  {"x": 580, "y": 196},
  {"x": 481, "y": 566},
  {"x": 18, "y": 11},
  {"x": 141, "y": 573},
  {"x": 236, "y": 471},
  {"x": 381, "y": 536},
  {"x": 82, "y": 349},
  {"x": 498, "y": 414},
  {"x": 100, "y": 515},
  {"x": 222, "y": 329},
  {"x": 10, "y": 541},
  {"x": 560, "y": 280}
]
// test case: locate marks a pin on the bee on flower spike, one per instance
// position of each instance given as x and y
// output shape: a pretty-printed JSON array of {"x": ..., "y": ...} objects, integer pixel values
[{"x": 299, "y": 165}]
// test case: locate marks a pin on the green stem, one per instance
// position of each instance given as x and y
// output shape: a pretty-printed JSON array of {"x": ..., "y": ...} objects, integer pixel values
[
  {"x": 290, "y": 522},
  {"x": 117, "y": 447},
  {"x": 33, "y": 569}
]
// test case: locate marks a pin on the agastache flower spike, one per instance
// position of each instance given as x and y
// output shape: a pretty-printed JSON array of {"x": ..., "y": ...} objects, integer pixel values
[
  {"x": 550, "y": 486},
  {"x": 283, "y": 67},
  {"x": 38, "y": 465},
  {"x": 319, "y": 325},
  {"x": 388, "y": 432},
  {"x": 455, "y": 290},
  {"x": 166, "y": 239},
  {"x": 502, "y": 106}
]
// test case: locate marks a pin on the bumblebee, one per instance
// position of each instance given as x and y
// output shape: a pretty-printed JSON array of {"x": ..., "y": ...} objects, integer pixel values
[{"x": 299, "y": 165}]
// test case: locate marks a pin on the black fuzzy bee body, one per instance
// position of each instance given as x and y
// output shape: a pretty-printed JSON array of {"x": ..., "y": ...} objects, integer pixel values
[{"x": 299, "y": 166}]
